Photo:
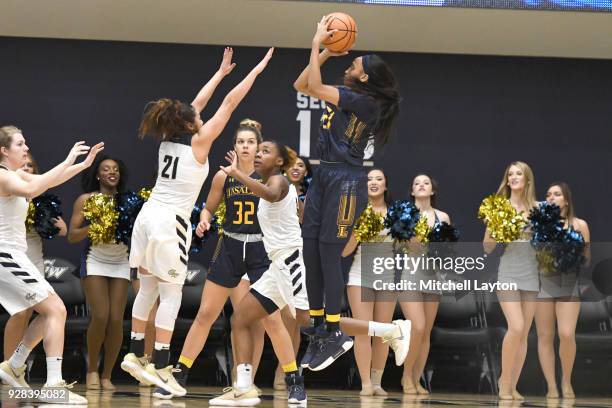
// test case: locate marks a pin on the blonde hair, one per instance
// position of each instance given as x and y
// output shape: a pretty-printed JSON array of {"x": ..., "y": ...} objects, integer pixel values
[
  {"x": 252, "y": 123},
  {"x": 529, "y": 194},
  {"x": 6, "y": 135}
]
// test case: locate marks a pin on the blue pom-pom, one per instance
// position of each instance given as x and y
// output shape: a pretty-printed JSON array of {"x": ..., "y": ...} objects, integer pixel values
[
  {"x": 402, "y": 217},
  {"x": 569, "y": 253},
  {"x": 196, "y": 242},
  {"x": 47, "y": 211},
  {"x": 565, "y": 245},
  {"x": 128, "y": 205},
  {"x": 444, "y": 232},
  {"x": 546, "y": 224}
]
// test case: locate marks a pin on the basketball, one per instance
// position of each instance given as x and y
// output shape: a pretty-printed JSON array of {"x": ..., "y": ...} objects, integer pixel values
[{"x": 345, "y": 37}]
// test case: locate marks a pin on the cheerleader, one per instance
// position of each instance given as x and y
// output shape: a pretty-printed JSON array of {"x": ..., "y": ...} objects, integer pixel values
[
  {"x": 422, "y": 307},
  {"x": 518, "y": 265},
  {"x": 162, "y": 234},
  {"x": 21, "y": 284},
  {"x": 367, "y": 104},
  {"x": 18, "y": 323},
  {"x": 105, "y": 274},
  {"x": 559, "y": 301},
  {"x": 300, "y": 175},
  {"x": 371, "y": 355},
  {"x": 240, "y": 257}
]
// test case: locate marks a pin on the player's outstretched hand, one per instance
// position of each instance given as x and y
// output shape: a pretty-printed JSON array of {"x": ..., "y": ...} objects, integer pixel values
[
  {"x": 323, "y": 32},
  {"x": 264, "y": 62},
  {"x": 79, "y": 149},
  {"x": 93, "y": 152},
  {"x": 227, "y": 66},
  {"x": 232, "y": 158}
]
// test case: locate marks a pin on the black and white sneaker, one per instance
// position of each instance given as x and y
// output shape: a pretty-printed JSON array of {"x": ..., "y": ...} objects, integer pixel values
[
  {"x": 297, "y": 392},
  {"x": 330, "y": 349},
  {"x": 314, "y": 336}
]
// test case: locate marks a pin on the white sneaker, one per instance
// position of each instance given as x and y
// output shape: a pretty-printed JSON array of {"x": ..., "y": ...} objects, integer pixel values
[
  {"x": 399, "y": 339},
  {"x": 73, "y": 399},
  {"x": 163, "y": 378},
  {"x": 15, "y": 377},
  {"x": 232, "y": 397},
  {"x": 136, "y": 366}
]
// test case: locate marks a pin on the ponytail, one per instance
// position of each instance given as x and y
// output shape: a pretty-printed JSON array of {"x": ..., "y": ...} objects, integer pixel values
[
  {"x": 382, "y": 86},
  {"x": 166, "y": 118}
]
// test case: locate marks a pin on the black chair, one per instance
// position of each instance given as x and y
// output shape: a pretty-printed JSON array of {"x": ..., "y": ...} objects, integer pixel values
[
  {"x": 460, "y": 335},
  {"x": 594, "y": 329},
  {"x": 60, "y": 274}
]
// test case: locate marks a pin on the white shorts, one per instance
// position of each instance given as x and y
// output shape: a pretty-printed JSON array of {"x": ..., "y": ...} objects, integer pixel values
[
  {"x": 284, "y": 282},
  {"x": 160, "y": 243},
  {"x": 21, "y": 284}
]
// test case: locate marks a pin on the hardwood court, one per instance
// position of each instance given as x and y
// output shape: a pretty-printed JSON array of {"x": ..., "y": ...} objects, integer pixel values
[{"x": 128, "y": 396}]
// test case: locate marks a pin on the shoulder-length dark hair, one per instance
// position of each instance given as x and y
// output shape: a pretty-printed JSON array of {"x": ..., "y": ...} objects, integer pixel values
[
  {"x": 434, "y": 189},
  {"x": 307, "y": 165},
  {"x": 387, "y": 196},
  {"x": 90, "y": 182},
  {"x": 570, "y": 213}
]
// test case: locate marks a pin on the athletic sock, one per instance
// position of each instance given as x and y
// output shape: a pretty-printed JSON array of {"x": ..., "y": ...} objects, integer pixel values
[
  {"x": 290, "y": 368},
  {"x": 54, "y": 370},
  {"x": 20, "y": 355},
  {"x": 244, "y": 379},
  {"x": 377, "y": 329},
  {"x": 161, "y": 355},
  {"x": 137, "y": 344},
  {"x": 333, "y": 322},
  {"x": 317, "y": 317},
  {"x": 184, "y": 364}
]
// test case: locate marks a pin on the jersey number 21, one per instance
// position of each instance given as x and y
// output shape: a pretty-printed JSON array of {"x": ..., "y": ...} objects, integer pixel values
[{"x": 169, "y": 162}]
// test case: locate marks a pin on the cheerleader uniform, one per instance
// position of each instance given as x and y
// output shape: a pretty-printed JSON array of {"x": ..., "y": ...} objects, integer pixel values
[
  {"x": 355, "y": 277},
  {"x": 559, "y": 284},
  {"x": 519, "y": 265},
  {"x": 21, "y": 283},
  {"x": 423, "y": 275},
  {"x": 109, "y": 260}
]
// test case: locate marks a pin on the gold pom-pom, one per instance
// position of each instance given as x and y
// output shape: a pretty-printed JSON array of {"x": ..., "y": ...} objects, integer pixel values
[
  {"x": 220, "y": 214},
  {"x": 99, "y": 209},
  {"x": 422, "y": 230},
  {"x": 145, "y": 193},
  {"x": 369, "y": 225},
  {"x": 30, "y": 218},
  {"x": 546, "y": 262},
  {"x": 504, "y": 223}
]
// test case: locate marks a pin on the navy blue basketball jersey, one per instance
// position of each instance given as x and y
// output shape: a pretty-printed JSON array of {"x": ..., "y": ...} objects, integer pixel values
[
  {"x": 345, "y": 129},
  {"x": 240, "y": 207}
]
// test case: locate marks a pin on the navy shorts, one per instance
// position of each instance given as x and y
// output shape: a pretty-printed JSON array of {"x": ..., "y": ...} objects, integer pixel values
[
  {"x": 335, "y": 199},
  {"x": 233, "y": 260}
]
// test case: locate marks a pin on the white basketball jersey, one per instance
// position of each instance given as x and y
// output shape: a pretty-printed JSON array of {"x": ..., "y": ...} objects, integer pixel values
[
  {"x": 13, "y": 213},
  {"x": 279, "y": 223},
  {"x": 180, "y": 176}
]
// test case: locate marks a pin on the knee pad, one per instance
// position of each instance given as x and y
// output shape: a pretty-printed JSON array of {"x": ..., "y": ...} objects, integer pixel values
[
  {"x": 146, "y": 297},
  {"x": 170, "y": 295}
]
